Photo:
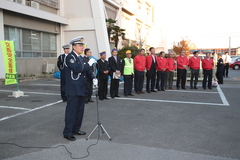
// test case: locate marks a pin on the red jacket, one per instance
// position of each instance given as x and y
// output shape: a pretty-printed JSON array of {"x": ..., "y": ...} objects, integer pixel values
[
  {"x": 207, "y": 64},
  {"x": 161, "y": 63},
  {"x": 139, "y": 62},
  {"x": 182, "y": 61},
  {"x": 149, "y": 61},
  {"x": 194, "y": 62},
  {"x": 171, "y": 64}
]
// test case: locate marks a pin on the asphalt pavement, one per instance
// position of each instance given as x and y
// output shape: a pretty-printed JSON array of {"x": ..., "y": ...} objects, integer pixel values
[{"x": 171, "y": 125}]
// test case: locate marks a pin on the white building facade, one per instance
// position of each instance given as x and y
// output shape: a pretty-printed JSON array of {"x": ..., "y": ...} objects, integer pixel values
[{"x": 40, "y": 27}]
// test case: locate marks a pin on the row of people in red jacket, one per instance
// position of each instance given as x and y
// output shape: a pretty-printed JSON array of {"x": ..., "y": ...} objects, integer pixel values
[{"x": 164, "y": 68}]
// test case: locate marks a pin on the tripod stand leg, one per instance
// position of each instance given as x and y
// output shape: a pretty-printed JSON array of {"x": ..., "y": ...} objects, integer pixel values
[
  {"x": 92, "y": 131},
  {"x": 105, "y": 132}
]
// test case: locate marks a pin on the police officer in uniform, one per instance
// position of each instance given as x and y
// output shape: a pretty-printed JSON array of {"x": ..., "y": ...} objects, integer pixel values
[
  {"x": 128, "y": 72},
  {"x": 61, "y": 67},
  {"x": 77, "y": 71}
]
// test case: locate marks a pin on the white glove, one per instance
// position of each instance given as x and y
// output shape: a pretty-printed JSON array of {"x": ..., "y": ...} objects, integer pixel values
[
  {"x": 95, "y": 82},
  {"x": 91, "y": 61}
]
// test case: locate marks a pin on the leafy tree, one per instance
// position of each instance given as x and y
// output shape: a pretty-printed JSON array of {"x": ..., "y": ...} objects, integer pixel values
[
  {"x": 122, "y": 52},
  {"x": 184, "y": 44},
  {"x": 110, "y": 23},
  {"x": 116, "y": 33}
]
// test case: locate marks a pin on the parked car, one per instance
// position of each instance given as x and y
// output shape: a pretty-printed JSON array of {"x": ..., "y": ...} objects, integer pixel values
[{"x": 235, "y": 64}]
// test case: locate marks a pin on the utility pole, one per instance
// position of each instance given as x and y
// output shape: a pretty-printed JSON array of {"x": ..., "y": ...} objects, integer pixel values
[{"x": 229, "y": 49}]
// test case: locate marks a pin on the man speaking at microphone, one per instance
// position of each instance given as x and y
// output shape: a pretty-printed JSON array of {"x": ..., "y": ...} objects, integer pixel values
[{"x": 77, "y": 71}]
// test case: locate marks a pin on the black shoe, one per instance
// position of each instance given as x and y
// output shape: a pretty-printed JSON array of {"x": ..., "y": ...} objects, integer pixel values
[
  {"x": 209, "y": 88},
  {"x": 64, "y": 100},
  {"x": 117, "y": 96},
  {"x": 148, "y": 91},
  {"x": 131, "y": 95},
  {"x": 159, "y": 90},
  {"x": 177, "y": 88},
  {"x": 184, "y": 88},
  {"x": 112, "y": 97},
  {"x": 79, "y": 133},
  {"x": 106, "y": 98},
  {"x": 86, "y": 102},
  {"x": 153, "y": 90},
  {"x": 191, "y": 87},
  {"x": 70, "y": 138},
  {"x": 125, "y": 95},
  {"x": 162, "y": 89},
  {"x": 90, "y": 101},
  {"x": 101, "y": 99},
  {"x": 204, "y": 87},
  {"x": 195, "y": 88}
]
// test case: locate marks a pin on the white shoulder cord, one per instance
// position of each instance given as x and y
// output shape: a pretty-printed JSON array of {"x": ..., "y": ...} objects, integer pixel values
[
  {"x": 79, "y": 74},
  {"x": 63, "y": 62}
]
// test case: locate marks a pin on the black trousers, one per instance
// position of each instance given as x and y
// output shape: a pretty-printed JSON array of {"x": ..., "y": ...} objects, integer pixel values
[
  {"x": 73, "y": 114},
  {"x": 194, "y": 74},
  {"x": 114, "y": 86},
  {"x": 63, "y": 87},
  {"x": 102, "y": 88},
  {"x": 90, "y": 90},
  {"x": 207, "y": 77},
  {"x": 181, "y": 76},
  {"x": 138, "y": 81},
  {"x": 128, "y": 84},
  {"x": 219, "y": 76},
  {"x": 151, "y": 76},
  {"x": 160, "y": 77},
  {"x": 226, "y": 68}
]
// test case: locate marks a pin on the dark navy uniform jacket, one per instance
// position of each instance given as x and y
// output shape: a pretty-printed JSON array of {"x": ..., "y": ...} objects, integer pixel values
[
  {"x": 60, "y": 64},
  {"x": 220, "y": 65},
  {"x": 77, "y": 71}
]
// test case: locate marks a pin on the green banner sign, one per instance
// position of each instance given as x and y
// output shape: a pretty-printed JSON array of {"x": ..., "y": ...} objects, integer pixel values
[{"x": 9, "y": 62}]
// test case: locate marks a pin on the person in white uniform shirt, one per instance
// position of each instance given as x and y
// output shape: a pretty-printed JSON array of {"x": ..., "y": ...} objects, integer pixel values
[{"x": 227, "y": 61}]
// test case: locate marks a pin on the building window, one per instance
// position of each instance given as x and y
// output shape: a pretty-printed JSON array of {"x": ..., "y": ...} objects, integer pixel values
[{"x": 30, "y": 43}]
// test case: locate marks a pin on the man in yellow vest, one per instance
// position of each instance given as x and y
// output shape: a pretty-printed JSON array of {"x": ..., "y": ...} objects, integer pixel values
[{"x": 128, "y": 72}]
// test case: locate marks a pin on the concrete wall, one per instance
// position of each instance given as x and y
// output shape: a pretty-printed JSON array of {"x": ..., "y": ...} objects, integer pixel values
[
  {"x": 34, "y": 66},
  {"x": 23, "y": 21}
]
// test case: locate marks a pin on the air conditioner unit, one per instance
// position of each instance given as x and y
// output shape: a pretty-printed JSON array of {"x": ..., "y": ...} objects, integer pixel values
[
  {"x": 34, "y": 5},
  {"x": 23, "y": 2},
  {"x": 49, "y": 68}
]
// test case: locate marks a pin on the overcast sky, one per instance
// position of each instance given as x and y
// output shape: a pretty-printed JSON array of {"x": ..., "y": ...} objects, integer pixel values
[{"x": 207, "y": 23}]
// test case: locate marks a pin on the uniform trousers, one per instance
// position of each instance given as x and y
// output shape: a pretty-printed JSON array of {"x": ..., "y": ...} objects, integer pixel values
[
  {"x": 102, "y": 88},
  {"x": 151, "y": 76},
  {"x": 219, "y": 76},
  {"x": 114, "y": 87},
  {"x": 194, "y": 74},
  {"x": 207, "y": 77},
  {"x": 73, "y": 114},
  {"x": 168, "y": 80},
  {"x": 181, "y": 76},
  {"x": 90, "y": 90},
  {"x": 128, "y": 84},
  {"x": 226, "y": 68},
  {"x": 160, "y": 77},
  {"x": 138, "y": 81},
  {"x": 63, "y": 87}
]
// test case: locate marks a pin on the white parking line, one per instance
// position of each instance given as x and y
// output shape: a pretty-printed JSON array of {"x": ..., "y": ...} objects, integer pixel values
[
  {"x": 55, "y": 85},
  {"x": 20, "y": 108},
  {"x": 222, "y": 96},
  {"x": 44, "y": 93},
  {"x": 185, "y": 102},
  {"x": 31, "y": 110}
]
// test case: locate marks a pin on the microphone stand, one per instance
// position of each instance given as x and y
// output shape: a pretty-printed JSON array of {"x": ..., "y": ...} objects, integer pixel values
[{"x": 99, "y": 125}]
